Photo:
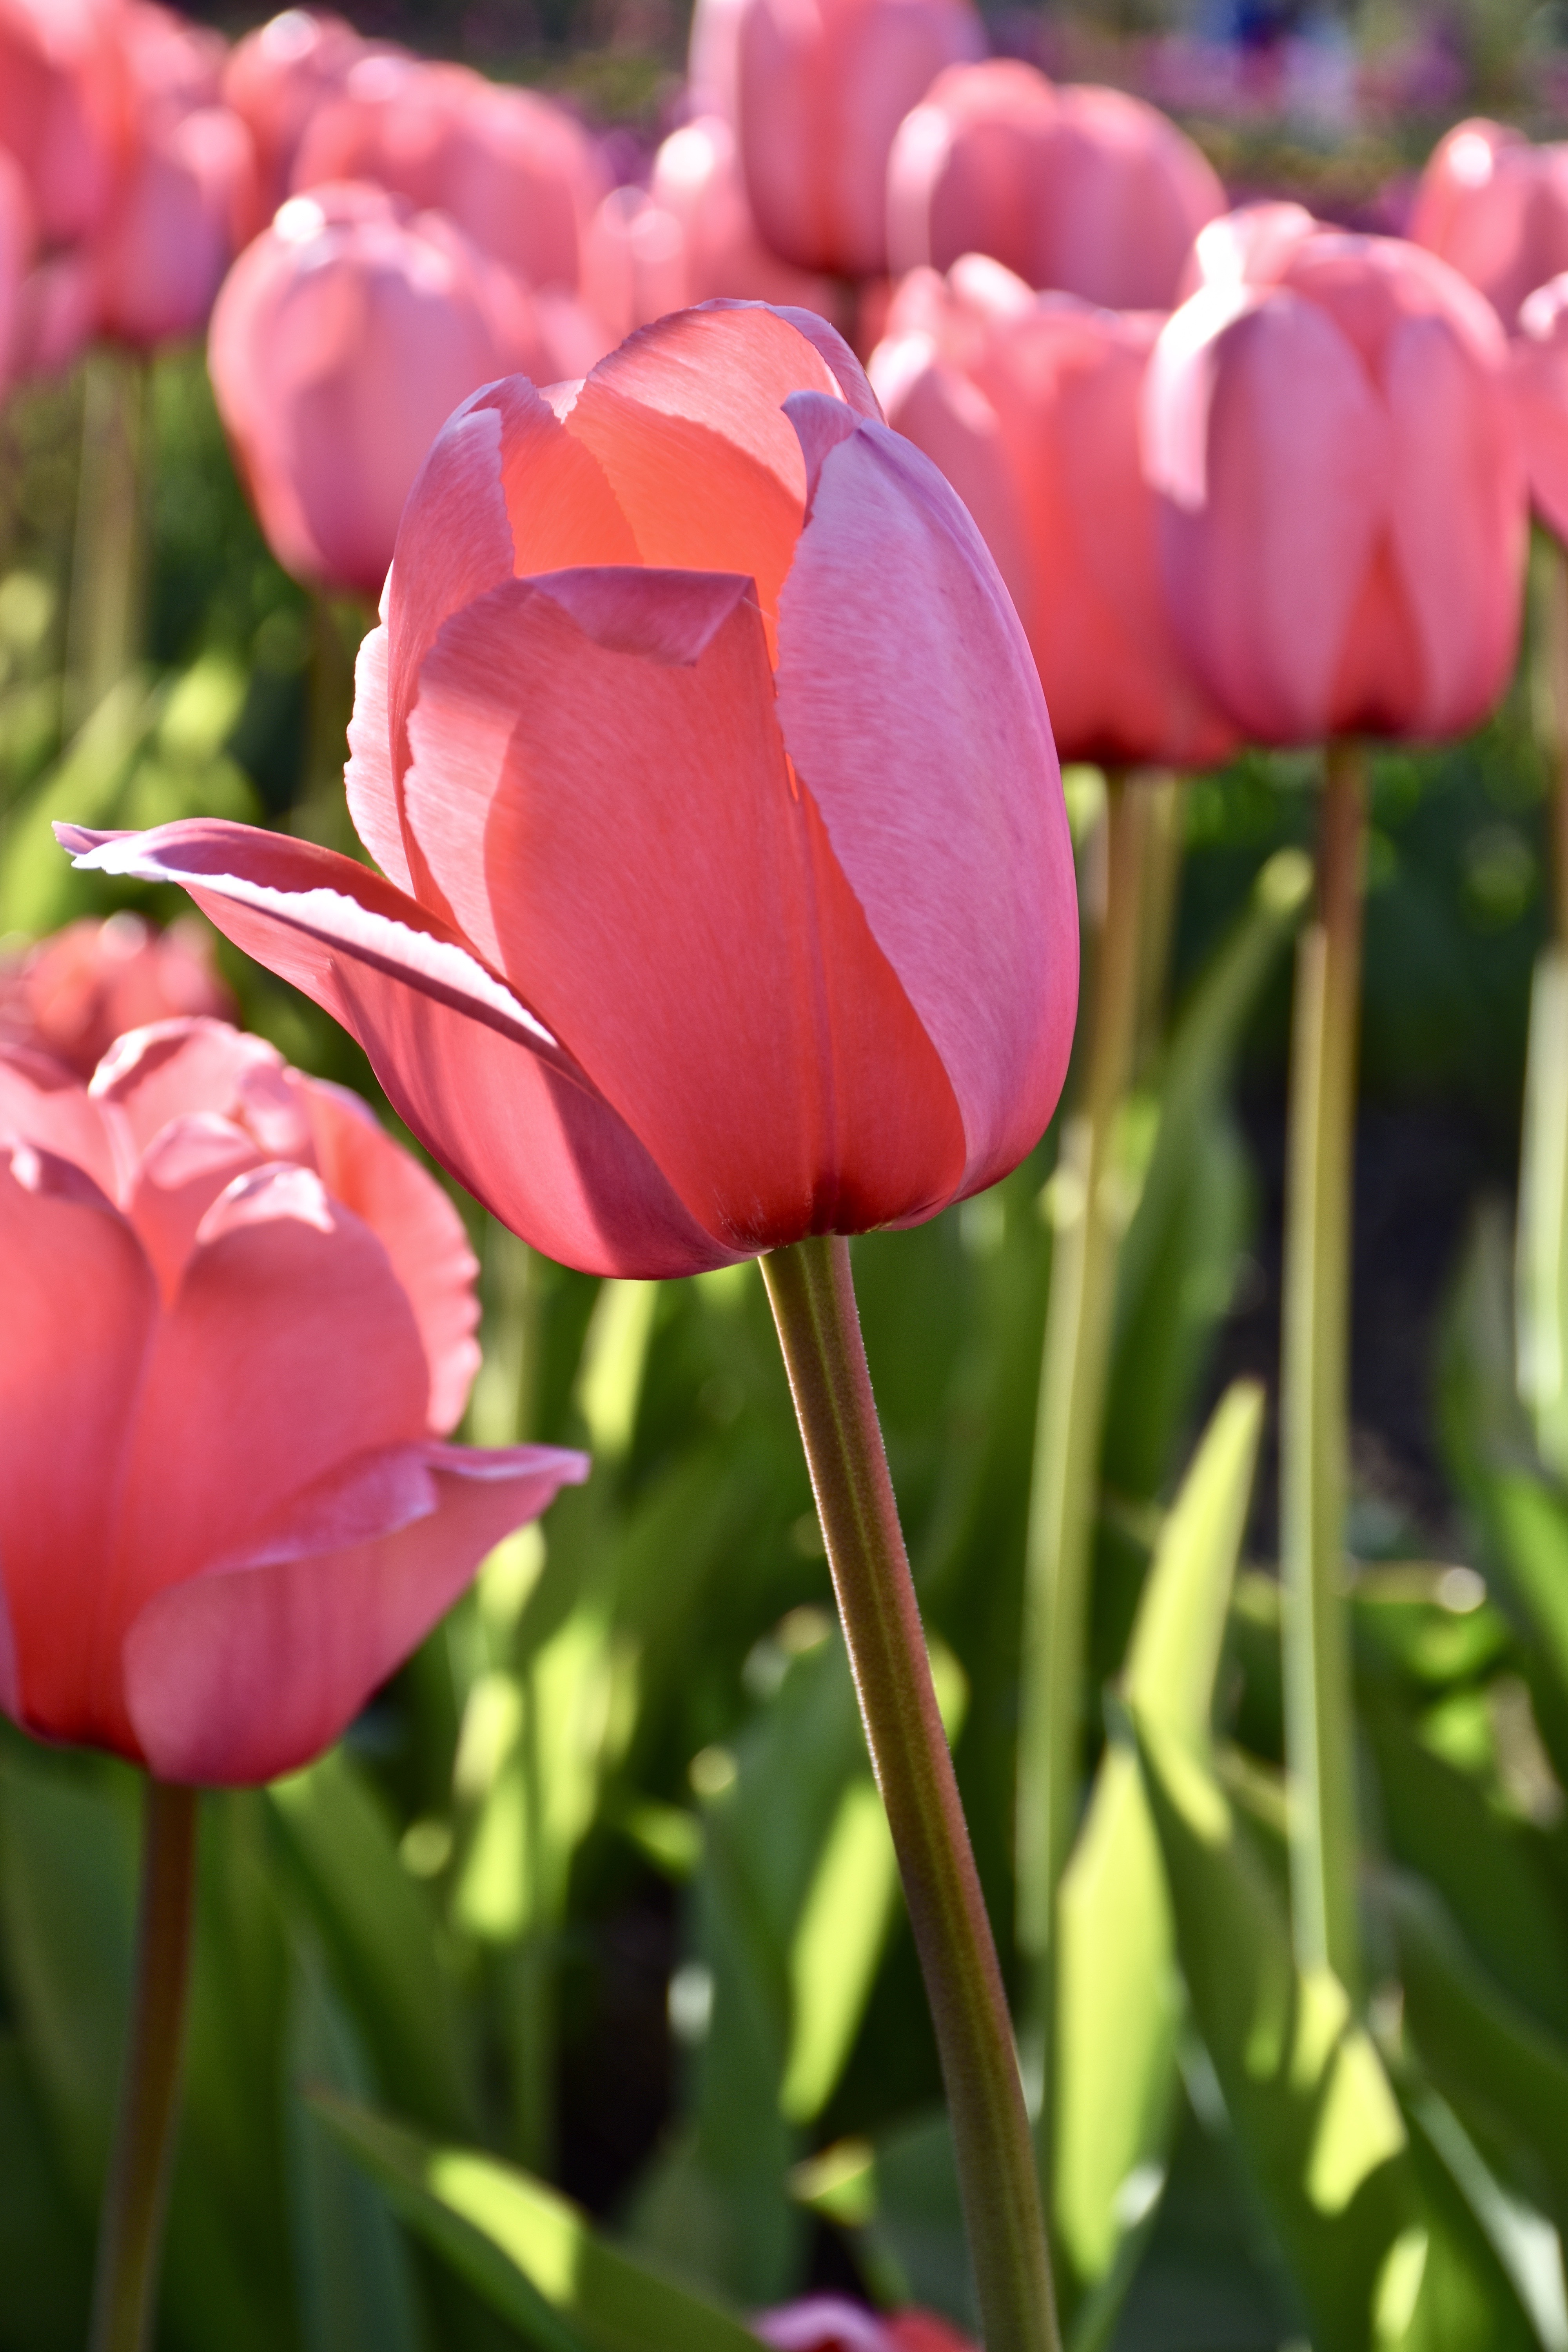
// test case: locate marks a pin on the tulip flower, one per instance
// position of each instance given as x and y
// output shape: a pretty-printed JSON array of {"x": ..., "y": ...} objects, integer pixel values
[
  {"x": 1328, "y": 431},
  {"x": 827, "y": 2323},
  {"x": 65, "y": 107},
  {"x": 239, "y": 1319},
  {"x": 15, "y": 252},
  {"x": 342, "y": 339},
  {"x": 1087, "y": 190},
  {"x": 72, "y": 995},
  {"x": 516, "y": 173},
  {"x": 1538, "y": 360},
  {"x": 275, "y": 79},
  {"x": 1496, "y": 209},
  {"x": 709, "y": 610},
  {"x": 817, "y": 93},
  {"x": 1030, "y": 404}
]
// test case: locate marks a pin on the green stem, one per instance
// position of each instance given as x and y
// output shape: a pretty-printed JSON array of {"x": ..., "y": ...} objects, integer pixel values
[
  {"x": 1088, "y": 1215},
  {"x": 812, "y": 1297},
  {"x": 131, "y": 2230},
  {"x": 1552, "y": 652},
  {"x": 104, "y": 624},
  {"x": 1314, "y": 1390},
  {"x": 322, "y": 814}
]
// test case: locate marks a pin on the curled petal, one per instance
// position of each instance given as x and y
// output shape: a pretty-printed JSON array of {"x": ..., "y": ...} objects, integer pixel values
[
  {"x": 368, "y": 778},
  {"x": 184, "y": 1169},
  {"x": 235, "y": 1677}
]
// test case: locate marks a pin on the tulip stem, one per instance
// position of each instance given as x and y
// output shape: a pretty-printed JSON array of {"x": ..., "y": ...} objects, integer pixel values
[
  {"x": 1314, "y": 1388},
  {"x": 103, "y": 626},
  {"x": 1086, "y": 1215},
  {"x": 1551, "y": 617},
  {"x": 812, "y": 1293},
  {"x": 131, "y": 2230}
]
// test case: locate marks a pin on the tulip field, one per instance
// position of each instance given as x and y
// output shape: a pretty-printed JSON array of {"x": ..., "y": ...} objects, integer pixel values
[{"x": 784, "y": 1180}]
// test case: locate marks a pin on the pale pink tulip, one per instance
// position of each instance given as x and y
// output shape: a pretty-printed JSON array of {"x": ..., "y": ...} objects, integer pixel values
[
  {"x": 730, "y": 896},
  {"x": 1496, "y": 208},
  {"x": 828, "y": 2323},
  {"x": 513, "y": 169},
  {"x": 73, "y": 995},
  {"x": 1030, "y": 404},
  {"x": 65, "y": 107},
  {"x": 1538, "y": 354},
  {"x": 342, "y": 340},
  {"x": 276, "y": 77},
  {"x": 819, "y": 90},
  {"x": 239, "y": 1321},
  {"x": 1328, "y": 428},
  {"x": 1085, "y": 190},
  {"x": 15, "y": 254}
]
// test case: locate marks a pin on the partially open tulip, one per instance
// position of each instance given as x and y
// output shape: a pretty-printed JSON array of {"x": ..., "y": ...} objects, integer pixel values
[
  {"x": 276, "y": 77},
  {"x": 65, "y": 107},
  {"x": 1030, "y": 404},
  {"x": 819, "y": 89},
  {"x": 1328, "y": 428},
  {"x": 239, "y": 1320},
  {"x": 344, "y": 338},
  {"x": 827, "y": 2323},
  {"x": 1539, "y": 357},
  {"x": 1087, "y": 190},
  {"x": 72, "y": 995},
  {"x": 729, "y": 892},
  {"x": 1496, "y": 208},
  {"x": 517, "y": 173}
]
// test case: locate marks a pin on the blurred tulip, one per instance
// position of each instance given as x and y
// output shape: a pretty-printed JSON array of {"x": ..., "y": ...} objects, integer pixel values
[
  {"x": 827, "y": 2323},
  {"x": 820, "y": 87},
  {"x": 512, "y": 169},
  {"x": 341, "y": 341},
  {"x": 731, "y": 897},
  {"x": 1328, "y": 428},
  {"x": 1085, "y": 190},
  {"x": 276, "y": 77},
  {"x": 1539, "y": 362},
  {"x": 238, "y": 1318},
  {"x": 15, "y": 253},
  {"x": 1030, "y": 404},
  {"x": 1496, "y": 209},
  {"x": 72, "y": 995},
  {"x": 689, "y": 238},
  {"x": 65, "y": 107}
]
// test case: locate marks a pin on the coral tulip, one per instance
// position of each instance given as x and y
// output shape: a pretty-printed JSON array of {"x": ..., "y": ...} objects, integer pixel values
[
  {"x": 730, "y": 896},
  {"x": 827, "y": 2323},
  {"x": 1496, "y": 209},
  {"x": 1538, "y": 354},
  {"x": 1328, "y": 428},
  {"x": 238, "y": 1319},
  {"x": 512, "y": 169},
  {"x": 819, "y": 89},
  {"x": 1087, "y": 190},
  {"x": 72, "y": 995},
  {"x": 276, "y": 77},
  {"x": 344, "y": 338},
  {"x": 1030, "y": 404},
  {"x": 65, "y": 107}
]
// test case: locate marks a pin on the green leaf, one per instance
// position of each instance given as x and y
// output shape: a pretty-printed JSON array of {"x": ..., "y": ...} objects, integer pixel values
[
  {"x": 1542, "y": 1261},
  {"x": 38, "y": 888},
  {"x": 529, "y": 2252},
  {"x": 46, "y": 2244}
]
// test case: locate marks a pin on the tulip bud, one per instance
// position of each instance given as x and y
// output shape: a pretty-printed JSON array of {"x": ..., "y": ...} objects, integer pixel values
[{"x": 1496, "y": 209}]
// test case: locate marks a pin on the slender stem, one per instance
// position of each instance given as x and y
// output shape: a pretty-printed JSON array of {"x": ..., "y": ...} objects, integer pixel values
[
  {"x": 131, "y": 2230},
  {"x": 812, "y": 1298},
  {"x": 1161, "y": 890},
  {"x": 104, "y": 624},
  {"x": 1087, "y": 1214},
  {"x": 1552, "y": 652},
  {"x": 321, "y": 814},
  {"x": 1314, "y": 1388}
]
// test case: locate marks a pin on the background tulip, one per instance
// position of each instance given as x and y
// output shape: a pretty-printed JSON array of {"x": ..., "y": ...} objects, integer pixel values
[
  {"x": 72, "y": 995},
  {"x": 276, "y": 77},
  {"x": 15, "y": 251},
  {"x": 1088, "y": 190},
  {"x": 709, "y": 610},
  {"x": 819, "y": 90},
  {"x": 827, "y": 2323},
  {"x": 341, "y": 340},
  {"x": 1328, "y": 429},
  {"x": 65, "y": 107},
  {"x": 238, "y": 1319},
  {"x": 1496, "y": 208},
  {"x": 1030, "y": 404}
]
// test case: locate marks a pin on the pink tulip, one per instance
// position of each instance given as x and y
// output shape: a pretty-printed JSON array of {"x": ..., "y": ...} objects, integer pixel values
[
  {"x": 1538, "y": 354},
  {"x": 1328, "y": 429},
  {"x": 1087, "y": 190},
  {"x": 1496, "y": 208},
  {"x": 1028, "y": 403},
  {"x": 15, "y": 253},
  {"x": 239, "y": 1320},
  {"x": 72, "y": 995},
  {"x": 689, "y": 238},
  {"x": 65, "y": 107},
  {"x": 513, "y": 170},
  {"x": 275, "y": 79},
  {"x": 820, "y": 87},
  {"x": 730, "y": 896},
  {"x": 827, "y": 2323},
  {"x": 341, "y": 341}
]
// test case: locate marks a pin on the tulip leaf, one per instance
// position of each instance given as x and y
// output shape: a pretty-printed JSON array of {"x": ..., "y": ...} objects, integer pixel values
[
  {"x": 37, "y": 889},
  {"x": 1542, "y": 1245},
  {"x": 527, "y": 2251},
  {"x": 46, "y": 2242}
]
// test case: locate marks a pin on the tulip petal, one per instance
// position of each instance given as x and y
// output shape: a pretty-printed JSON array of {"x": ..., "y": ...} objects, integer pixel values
[
  {"x": 81, "y": 1308},
  {"x": 418, "y": 1227},
  {"x": 188, "y": 1068},
  {"x": 481, "y": 1082},
  {"x": 368, "y": 780},
  {"x": 703, "y": 958},
  {"x": 235, "y": 1677},
  {"x": 183, "y": 1170},
  {"x": 44, "y": 1103},
  {"x": 944, "y": 808},
  {"x": 826, "y": 340}
]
